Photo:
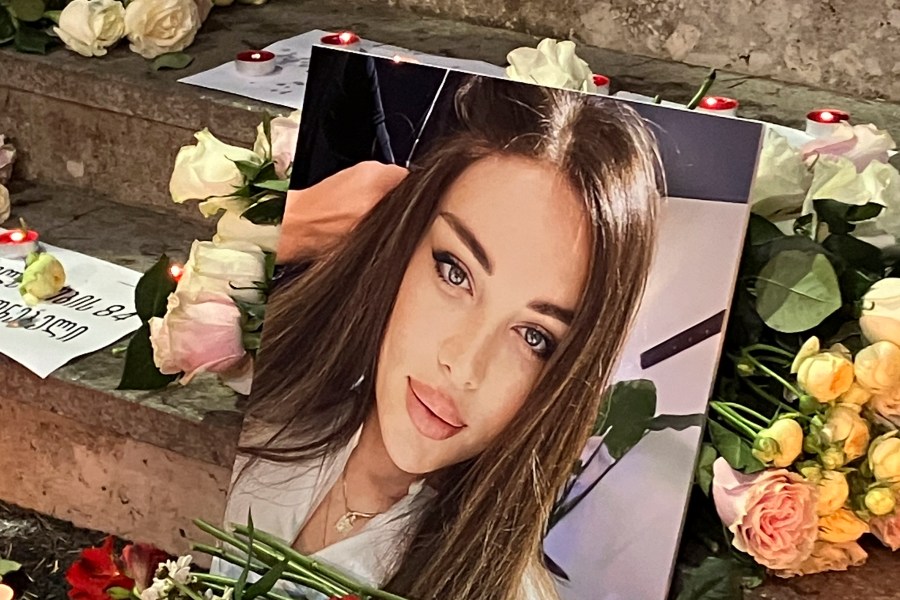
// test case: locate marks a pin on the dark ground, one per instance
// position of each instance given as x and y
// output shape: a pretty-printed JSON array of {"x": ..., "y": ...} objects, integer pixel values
[{"x": 44, "y": 546}]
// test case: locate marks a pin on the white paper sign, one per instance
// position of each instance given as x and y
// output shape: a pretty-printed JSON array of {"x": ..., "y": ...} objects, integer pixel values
[
  {"x": 95, "y": 309},
  {"x": 285, "y": 87}
]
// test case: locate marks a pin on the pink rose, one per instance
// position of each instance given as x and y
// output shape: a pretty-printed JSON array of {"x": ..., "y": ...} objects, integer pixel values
[
  {"x": 284, "y": 132},
  {"x": 887, "y": 529},
  {"x": 200, "y": 334},
  {"x": 860, "y": 144},
  {"x": 828, "y": 556},
  {"x": 772, "y": 514}
]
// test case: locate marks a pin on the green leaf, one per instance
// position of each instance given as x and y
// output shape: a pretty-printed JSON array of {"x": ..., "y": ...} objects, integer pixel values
[
  {"x": 267, "y": 172},
  {"x": 627, "y": 412},
  {"x": 269, "y": 212},
  {"x": 265, "y": 583},
  {"x": 275, "y": 185},
  {"x": 267, "y": 131},
  {"x": 270, "y": 268},
  {"x": 715, "y": 579},
  {"x": 34, "y": 41},
  {"x": 119, "y": 593},
  {"x": 733, "y": 449},
  {"x": 53, "y": 15},
  {"x": 241, "y": 583},
  {"x": 840, "y": 217},
  {"x": 248, "y": 169},
  {"x": 676, "y": 422},
  {"x": 803, "y": 226},
  {"x": 250, "y": 340},
  {"x": 704, "y": 472},
  {"x": 7, "y": 26},
  {"x": 27, "y": 10},
  {"x": 153, "y": 289},
  {"x": 855, "y": 252},
  {"x": 171, "y": 60},
  {"x": 796, "y": 291},
  {"x": 140, "y": 372},
  {"x": 760, "y": 231},
  {"x": 8, "y": 566}
]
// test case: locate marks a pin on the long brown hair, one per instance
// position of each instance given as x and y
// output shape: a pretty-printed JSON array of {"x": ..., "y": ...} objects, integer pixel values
[{"x": 482, "y": 536}]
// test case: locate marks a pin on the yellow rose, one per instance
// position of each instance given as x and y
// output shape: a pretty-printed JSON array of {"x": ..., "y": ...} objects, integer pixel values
[
  {"x": 857, "y": 395},
  {"x": 826, "y": 375},
  {"x": 841, "y": 526},
  {"x": 833, "y": 458},
  {"x": 809, "y": 349},
  {"x": 846, "y": 429},
  {"x": 880, "y": 501},
  {"x": 44, "y": 276},
  {"x": 877, "y": 367},
  {"x": 884, "y": 458},
  {"x": 833, "y": 492},
  {"x": 780, "y": 444}
]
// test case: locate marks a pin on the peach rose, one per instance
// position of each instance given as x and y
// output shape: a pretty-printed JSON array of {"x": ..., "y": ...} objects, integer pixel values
[
  {"x": 887, "y": 405},
  {"x": 841, "y": 526},
  {"x": 828, "y": 557},
  {"x": 198, "y": 334},
  {"x": 877, "y": 367},
  {"x": 887, "y": 530},
  {"x": 847, "y": 430},
  {"x": 825, "y": 375},
  {"x": 772, "y": 514}
]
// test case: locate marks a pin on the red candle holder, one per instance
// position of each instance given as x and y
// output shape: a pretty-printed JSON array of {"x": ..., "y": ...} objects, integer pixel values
[
  {"x": 342, "y": 38},
  {"x": 18, "y": 243},
  {"x": 718, "y": 105},
  {"x": 823, "y": 121},
  {"x": 255, "y": 63},
  {"x": 602, "y": 83}
]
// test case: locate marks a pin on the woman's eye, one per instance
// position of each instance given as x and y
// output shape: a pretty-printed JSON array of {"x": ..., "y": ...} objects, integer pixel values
[
  {"x": 538, "y": 342},
  {"x": 450, "y": 271}
]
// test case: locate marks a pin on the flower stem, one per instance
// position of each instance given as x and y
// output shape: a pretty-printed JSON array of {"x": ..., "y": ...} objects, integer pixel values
[
  {"x": 185, "y": 590},
  {"x": 769, "y": 348},
  {"x": 769, "y": 397},
  {"x": 704, "y": 87},
  {"x": 735, "y": 419},
  {"x": 773, "y": 375},
  {"x": 749, "y": 411}
]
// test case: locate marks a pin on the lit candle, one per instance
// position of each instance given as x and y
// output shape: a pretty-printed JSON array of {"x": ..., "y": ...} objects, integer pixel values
[
  {"x": 255, "y": 63},
  {"x": 6, "y": 592},
  {"x": 718, "y": 105},
  {"x": 176, "y": 271},
  {"x": 18, "y": 243},
  {"x": 602, "y": 83},
  {"x": 344, "y": 38},
  {"x": 821, "y": 122}
]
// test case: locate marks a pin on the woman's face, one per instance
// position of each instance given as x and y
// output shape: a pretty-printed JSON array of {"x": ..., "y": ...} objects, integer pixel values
[{"x": 486, "y": 298}]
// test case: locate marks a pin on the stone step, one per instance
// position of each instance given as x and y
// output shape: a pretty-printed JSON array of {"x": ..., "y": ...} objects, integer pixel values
[
  {"x": 137, "y": 464},
  {"x": 113, "y": 125}
]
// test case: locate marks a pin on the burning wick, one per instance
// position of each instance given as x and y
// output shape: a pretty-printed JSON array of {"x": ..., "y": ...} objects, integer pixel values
[
  {"x": 176, "y": 271},
  {"x": 18, "y": 236},
  {"x": 344, "y": 38}
]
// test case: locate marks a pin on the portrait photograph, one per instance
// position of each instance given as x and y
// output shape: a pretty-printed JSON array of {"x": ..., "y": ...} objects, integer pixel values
[{"x": 496, "y": 318}]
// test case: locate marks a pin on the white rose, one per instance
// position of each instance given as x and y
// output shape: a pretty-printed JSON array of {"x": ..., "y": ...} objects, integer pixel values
[
  {"x": 860, "y": 144},
  {"x": 553, "y": 64},
  {"x": 782, "y": 178},
  {"x": 208, "y": 168},
  {"x": 5, "y": 204},
  {"x": 880, "y": 320},
  {"x": 220, "y": 268},
  {"x": 157, "y": 27},
  {"x": 836, "y": 178},
  {"x": 232, "y": 227},
  {"x": 89, "y": 27},
  {"x": 284, "y": 132}
]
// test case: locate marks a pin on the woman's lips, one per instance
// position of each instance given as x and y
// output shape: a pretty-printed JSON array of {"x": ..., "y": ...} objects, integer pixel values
[{"x": 432, "y": 413}]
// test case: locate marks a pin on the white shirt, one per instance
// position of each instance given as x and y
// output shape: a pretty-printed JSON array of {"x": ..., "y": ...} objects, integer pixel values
[{"x": 282, "y": 497}]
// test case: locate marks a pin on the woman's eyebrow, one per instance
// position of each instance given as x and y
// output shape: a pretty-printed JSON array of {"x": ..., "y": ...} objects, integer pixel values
[
  {"x": 468, "y": 238},
  {"x": 551, "y": 310}
]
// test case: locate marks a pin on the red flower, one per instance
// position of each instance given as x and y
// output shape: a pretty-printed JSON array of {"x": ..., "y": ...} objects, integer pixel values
[
  {"x": 95, "y": 572},
  {"x": 141, "y": 562}
]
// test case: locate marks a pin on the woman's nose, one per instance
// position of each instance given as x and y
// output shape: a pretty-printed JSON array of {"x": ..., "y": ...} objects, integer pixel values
[{"x": 464, "y": 354}]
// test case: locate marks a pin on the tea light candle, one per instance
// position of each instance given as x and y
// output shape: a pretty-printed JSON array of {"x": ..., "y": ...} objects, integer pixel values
[
  {"x": 602, "y": 83},
  {"x": 18, "y": 243},
  {"x": 255, "y": 63},
  {"x": 822, "y": 121},
  {"x": 344, "y": 38},
  {"x": 718, "y": 105}
]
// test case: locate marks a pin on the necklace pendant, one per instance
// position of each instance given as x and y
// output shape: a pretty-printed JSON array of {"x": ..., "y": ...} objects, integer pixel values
[{"x": 345, "y": 523}]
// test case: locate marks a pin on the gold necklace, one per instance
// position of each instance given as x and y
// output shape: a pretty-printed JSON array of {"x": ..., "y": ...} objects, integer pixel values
[{"x": 348, "y": 519}]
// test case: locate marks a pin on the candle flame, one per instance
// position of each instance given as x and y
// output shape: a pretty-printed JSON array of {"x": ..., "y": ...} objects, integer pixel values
[
  {"x": 176, "y": 271},
  {"x": 256, "y": 56},
  {"x": 827, "y": 116},
  {"x": 18, "y": 235},
  {"x": 710, "y": 101},
  {"x": 346, "y": 37}
]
